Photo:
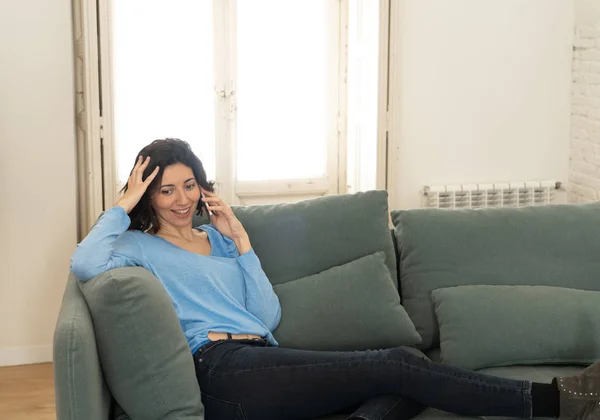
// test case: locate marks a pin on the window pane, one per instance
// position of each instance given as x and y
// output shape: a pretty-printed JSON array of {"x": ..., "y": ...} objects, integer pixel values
[
  {"x": 284, "y": 88},
  {"x": 163, "y": 77},
  {"x": 363, "y": 57}
]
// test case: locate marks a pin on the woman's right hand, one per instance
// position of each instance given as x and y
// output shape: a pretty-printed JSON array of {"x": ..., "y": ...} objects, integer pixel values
[{"x": 136, "y": 187}]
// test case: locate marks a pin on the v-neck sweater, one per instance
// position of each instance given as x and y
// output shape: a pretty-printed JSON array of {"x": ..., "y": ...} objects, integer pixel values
[{"x": 221, "y": 292}]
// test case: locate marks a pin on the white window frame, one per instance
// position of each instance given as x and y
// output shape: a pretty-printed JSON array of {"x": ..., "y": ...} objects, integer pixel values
[
  {"x": 110, "y": 151},
  {"x": 388, "y": 89},
  {"x": 89, "y": 138},
  {"x": 97, "y": 152},
  {"x": 230, "y": 188}
]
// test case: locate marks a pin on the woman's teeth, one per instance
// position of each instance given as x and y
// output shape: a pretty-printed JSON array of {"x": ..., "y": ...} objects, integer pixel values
[{"x": 181, "y": 211}]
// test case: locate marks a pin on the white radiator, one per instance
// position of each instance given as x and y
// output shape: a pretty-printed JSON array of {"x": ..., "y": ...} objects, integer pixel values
[{"x": 473, "y": 196}]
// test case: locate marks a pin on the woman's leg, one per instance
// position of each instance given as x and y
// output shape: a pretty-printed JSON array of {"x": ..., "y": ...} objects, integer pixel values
[{"x": 250, "y": 380}]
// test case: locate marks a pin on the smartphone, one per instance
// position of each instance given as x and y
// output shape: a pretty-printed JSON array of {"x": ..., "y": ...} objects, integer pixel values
[{"x": 210, "y": 213}]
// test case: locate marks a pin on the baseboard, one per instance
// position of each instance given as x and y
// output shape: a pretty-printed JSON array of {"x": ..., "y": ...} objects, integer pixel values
[{"x": 13, "y": 356}]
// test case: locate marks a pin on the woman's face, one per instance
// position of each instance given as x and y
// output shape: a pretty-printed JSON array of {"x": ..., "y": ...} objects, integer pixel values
[{"x": 177, "y": 197}]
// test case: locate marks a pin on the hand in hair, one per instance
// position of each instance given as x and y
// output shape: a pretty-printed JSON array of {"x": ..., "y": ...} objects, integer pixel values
[{"x": 136, "y": 186}]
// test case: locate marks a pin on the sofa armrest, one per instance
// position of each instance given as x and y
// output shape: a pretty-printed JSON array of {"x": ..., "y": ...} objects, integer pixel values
[{"x": 81, "y": 392}]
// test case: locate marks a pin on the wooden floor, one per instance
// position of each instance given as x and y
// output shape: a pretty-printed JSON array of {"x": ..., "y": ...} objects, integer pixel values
[{"x": 27, "y": 392}]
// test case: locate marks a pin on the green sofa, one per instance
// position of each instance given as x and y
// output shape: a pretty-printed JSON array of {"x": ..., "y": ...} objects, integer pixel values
[{"x": 489, "y": 290}]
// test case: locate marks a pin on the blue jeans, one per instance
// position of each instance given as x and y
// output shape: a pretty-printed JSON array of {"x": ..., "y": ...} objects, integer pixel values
[{"x": 251, "y": 380}]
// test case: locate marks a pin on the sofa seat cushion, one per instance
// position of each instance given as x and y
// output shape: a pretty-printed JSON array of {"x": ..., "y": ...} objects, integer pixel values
[
  {"x": 351, "y": 307},
  {"x": 543, "y": 374}
]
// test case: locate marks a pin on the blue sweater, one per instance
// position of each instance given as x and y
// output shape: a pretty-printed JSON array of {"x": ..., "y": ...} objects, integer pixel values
[{"x": 223, "y": 292}]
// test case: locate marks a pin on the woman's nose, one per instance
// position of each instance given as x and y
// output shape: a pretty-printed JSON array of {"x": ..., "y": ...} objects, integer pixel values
[{"x": 181, "y": 197}]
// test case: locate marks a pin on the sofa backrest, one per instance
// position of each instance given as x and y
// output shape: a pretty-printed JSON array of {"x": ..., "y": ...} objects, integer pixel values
[
  {"x": 295, "y": 240},
  {"x": 556, "y": 245}
]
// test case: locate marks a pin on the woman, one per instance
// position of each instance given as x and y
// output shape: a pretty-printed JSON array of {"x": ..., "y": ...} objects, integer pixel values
[{"x": 228, "y": 310}]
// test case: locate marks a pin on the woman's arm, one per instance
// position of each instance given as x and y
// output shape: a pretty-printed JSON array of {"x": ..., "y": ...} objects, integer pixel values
[
  {"x": 261, "y": 300},
  {"x": 96, "y": 254},
  {"x": 242, "y": 244}
]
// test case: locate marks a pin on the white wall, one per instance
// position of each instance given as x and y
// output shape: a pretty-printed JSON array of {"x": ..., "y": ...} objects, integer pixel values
[
  {"x": 482, "y": 92},
  {"x": 37, "y": 172},
  {"x": 587, "y": 12},
  {"x": 584, "y": 170}
]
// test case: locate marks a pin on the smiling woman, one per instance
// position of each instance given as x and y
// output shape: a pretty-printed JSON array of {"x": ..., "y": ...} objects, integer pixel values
[
  {"x": 177, "y": 198},
  {"x": 174, "y": 177}
]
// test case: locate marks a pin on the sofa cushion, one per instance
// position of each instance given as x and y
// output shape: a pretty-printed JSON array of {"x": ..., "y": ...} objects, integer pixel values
[
  {"x": 541, "y": 374},
  {"x": 351, "y": 307},
  {"x": 553, "y": 245},
  {"x": 295, "y": 240},
  {"x": 482, "y": 326},
  {"x": 145, "y": 357}
]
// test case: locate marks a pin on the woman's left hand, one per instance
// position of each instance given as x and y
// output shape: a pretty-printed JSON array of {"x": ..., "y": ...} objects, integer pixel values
[{"x": 223, "y": 218}]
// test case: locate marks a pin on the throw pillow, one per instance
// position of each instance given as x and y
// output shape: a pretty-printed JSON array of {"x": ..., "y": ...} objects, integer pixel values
[
  {"x": 354, "y": 306},
  {"x": 555, "y": 245},
  {"x": 145, "y": 357},
  {"x": 485, "y": 326}
]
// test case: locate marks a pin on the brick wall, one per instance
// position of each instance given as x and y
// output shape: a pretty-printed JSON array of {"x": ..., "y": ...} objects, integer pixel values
[{"x": 584, "y": 170}]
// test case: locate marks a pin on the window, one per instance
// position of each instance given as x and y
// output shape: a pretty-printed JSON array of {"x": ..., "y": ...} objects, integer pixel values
[
  {"x": 363, "y": 99},
  {"x": 287, "y": 63},
  {"x": 281, "y": 99},
  {"x": 162, "y": 55}
]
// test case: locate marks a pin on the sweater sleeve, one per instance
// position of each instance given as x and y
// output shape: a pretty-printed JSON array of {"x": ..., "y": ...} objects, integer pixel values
[
  {"x": 261, "y": 300},
  {"x": 97, "y": 252}
]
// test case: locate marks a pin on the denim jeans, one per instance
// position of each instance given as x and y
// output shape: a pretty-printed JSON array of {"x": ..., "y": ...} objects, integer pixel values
[{"x": 251, "y": 380}]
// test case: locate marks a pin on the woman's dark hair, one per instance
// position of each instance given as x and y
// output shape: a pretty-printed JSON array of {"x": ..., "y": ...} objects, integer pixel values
[{"x": 163, "y": 153}]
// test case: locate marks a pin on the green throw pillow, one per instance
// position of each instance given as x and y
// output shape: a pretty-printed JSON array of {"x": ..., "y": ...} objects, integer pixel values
[
  {"x": 145, "y": 357},
  {"x": 484, "y": 326},
  {"x": 351, "y": 307}
]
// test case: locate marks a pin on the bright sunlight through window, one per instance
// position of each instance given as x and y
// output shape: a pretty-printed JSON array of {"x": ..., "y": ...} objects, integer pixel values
[
  {"x": 285, "y": 69},
  {"x": 163, "y": 77},
  {"x": 284, "y": 94}
]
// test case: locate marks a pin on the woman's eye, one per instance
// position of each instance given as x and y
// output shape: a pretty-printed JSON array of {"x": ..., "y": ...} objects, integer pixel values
[
  {"x": 191, "y": 186},
  {"x": 166, "y": 192}
]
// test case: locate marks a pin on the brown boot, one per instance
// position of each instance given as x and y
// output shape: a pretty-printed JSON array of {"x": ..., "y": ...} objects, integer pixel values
[{"x": 580, "y": 394}]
